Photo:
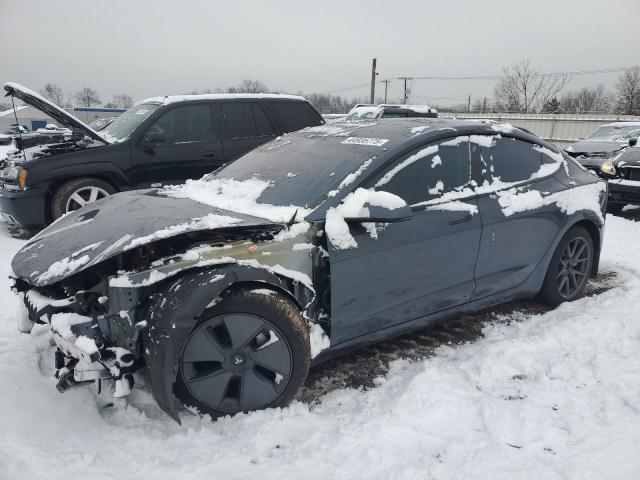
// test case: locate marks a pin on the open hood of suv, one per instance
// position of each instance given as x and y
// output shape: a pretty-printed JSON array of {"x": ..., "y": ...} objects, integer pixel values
[
  {"x": 116, "y": 224},
  {"x": 30, "y": 97}
]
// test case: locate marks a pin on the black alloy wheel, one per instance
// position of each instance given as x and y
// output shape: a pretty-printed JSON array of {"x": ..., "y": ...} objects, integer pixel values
[
  {"x": 569, "y": 269},
  {"x": 573, "y": 273},
  {"x": 249, "y": 351},
  {"x": 236, "y": 362}
]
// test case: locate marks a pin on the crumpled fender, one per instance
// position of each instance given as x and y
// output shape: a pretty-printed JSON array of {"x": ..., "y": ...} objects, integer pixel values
[{"x": 172, "y": 317}]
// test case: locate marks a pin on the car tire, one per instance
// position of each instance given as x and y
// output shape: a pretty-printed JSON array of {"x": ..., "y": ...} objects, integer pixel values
[
  {"x": 248, "y": 352},
  {"x": 569, "y": 269},
  {"x": 615, "y": 208},
  {"x": 77, "y": 193}
]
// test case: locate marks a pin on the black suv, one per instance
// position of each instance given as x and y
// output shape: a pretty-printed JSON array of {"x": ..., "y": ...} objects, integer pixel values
[{"x": 159, "y": 141}]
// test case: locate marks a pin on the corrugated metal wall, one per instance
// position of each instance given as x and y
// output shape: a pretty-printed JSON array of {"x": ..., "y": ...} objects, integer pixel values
[{"x": 561, "y": 129}]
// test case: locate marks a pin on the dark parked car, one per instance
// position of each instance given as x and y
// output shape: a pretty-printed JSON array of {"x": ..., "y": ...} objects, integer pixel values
[
  {"x": 159, "y": 141},
  {"x": 604, "y": 143},
  {"x": 226, "y": 289},
  {"x": 623, "y": 176}
]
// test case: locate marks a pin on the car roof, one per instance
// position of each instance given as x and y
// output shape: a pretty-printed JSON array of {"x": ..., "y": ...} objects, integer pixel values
[
  {"x": 621, "y": 124},
  {"x": 219, "y": 96},
  {"x": 397, "y": 131}
]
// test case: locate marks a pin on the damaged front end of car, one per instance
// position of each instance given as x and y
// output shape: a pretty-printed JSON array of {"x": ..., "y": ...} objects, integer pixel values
[{"x": 142, "y": 303}]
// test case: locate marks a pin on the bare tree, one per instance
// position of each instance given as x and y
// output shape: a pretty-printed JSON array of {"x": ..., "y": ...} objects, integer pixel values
[
  {"x": 523, "y": 89},
  {"x": 628, "y": 92},
  {"x": 586, "y": 100},
  {"x": 54, "y": 93},
  {"x": 87, "y": 97},
  {"x": 122, "y": 100},
  {"x": 249, "y": 86}
]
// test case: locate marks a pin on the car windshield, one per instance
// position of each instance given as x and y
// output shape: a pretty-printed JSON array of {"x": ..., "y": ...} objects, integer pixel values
[
  {"x": 301, "y": 170},
  {"x": 615, "y": 132},
  {"x": 125, "y": 124}
]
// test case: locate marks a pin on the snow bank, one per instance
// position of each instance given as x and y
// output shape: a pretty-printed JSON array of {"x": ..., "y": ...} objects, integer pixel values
[{"x": 234, "y": 195}]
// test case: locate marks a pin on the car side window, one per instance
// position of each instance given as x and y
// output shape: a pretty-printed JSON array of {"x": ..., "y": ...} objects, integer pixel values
[
  {"x": 263, "y": 125},
  {"x": 509, "y": 160},
  {"x": 187, "y": 124},
  {"x": 295, "y": 115},
  {"x": 237, "y": 120},
  {"x": 428, "y": 172}
]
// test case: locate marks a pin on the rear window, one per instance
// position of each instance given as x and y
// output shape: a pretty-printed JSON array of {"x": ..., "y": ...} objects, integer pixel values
[{"x": 296, "y": 115}]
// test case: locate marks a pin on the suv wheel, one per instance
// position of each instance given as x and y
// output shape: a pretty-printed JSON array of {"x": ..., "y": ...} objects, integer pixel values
[
  {"x": 249, "y": 352},
  {"x": 78, "y": 193},
  {"x": 569, "y": 269}
]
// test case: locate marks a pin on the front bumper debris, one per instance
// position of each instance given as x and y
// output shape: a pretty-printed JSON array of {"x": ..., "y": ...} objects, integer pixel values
[{"x": 82, "y": 354}]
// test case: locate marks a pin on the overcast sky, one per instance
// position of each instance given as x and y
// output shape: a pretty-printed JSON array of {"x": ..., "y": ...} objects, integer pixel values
[{"x": 159, "y": 47}]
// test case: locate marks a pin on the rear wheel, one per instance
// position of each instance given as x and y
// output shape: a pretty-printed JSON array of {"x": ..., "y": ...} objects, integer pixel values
[
  {"x": 249, "y": 352},
  {"x": 77, "y": 193},
  {"x": 569, "y": 269}
]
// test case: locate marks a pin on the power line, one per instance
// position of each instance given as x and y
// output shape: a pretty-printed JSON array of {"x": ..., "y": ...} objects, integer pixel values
[
  {"x": 484, "y": 77},
  {"x": 495, "y": 77}
]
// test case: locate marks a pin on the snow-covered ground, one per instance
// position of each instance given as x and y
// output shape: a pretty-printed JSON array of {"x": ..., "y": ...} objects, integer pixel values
[{"x": 554, "y": 395}]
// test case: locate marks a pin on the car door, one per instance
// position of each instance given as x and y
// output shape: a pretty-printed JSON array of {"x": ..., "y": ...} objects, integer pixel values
[
  {"x": 181, "y": 143},
  {"x": 404, "y": 271},
  {"x": 517, "y": 230},
  {"x": 244, "y": 127}
]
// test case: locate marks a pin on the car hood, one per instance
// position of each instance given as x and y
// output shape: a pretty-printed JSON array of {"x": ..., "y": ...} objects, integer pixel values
[
  {"x": 30, "y": 97},
  {"x": 595, "y": 146},
  {"x": 631, "y": 156},
  {"x": 116, "y": 224}
]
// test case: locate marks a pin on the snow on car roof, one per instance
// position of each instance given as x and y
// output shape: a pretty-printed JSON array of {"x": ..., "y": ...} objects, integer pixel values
[
  {"x": 216, "y": 96},
  {"x": 413, "y": 108},
  {"x": 621, "y": 124}
]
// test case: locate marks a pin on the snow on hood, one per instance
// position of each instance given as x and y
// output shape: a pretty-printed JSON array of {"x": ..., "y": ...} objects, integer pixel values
[
  {"x": 113, "y": 225},
  {"x": 38, "y": 101},
  {"x": 238, "y": 196}
]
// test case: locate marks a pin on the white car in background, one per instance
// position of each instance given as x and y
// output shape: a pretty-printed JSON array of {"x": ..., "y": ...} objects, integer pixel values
[{"x": 369, "y": 112}]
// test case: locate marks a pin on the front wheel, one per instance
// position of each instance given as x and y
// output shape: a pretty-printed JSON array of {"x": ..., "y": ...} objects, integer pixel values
[
  {"x": 249, "y": 352},
  {"x": 77, "y": 193},
  {"x": 569, "y": 269}
]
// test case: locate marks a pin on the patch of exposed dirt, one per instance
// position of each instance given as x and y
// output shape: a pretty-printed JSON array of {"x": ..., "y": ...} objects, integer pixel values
[{"x": 358, "y": 369}]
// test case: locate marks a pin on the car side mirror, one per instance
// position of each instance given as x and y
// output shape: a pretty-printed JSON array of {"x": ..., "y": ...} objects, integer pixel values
[
  {"x": 383, "y": 207},
  {"x": 633, "y": 142},
  {"x": 152, "y": 139}
]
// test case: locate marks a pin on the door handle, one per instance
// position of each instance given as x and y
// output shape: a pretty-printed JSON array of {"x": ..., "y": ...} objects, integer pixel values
[
  {"x": 209, "y": 154},
  {"x": 466, "y": 218}
]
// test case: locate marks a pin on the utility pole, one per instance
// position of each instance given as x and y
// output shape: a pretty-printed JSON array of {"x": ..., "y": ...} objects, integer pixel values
[
  {"x": 373, "y": 81},
  {"x": 386, "y": 86},
  {"x": 469, "y": 103},
  {"x": 404, "y": 98},
  {"x": 484, "y": 105}
]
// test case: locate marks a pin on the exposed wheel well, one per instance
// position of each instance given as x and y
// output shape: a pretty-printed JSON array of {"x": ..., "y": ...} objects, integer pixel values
[{"x": 54, "y": 186}]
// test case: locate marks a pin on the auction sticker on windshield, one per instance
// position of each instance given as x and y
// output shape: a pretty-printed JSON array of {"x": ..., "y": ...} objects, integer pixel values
[{"x": 373, "y": 142}]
